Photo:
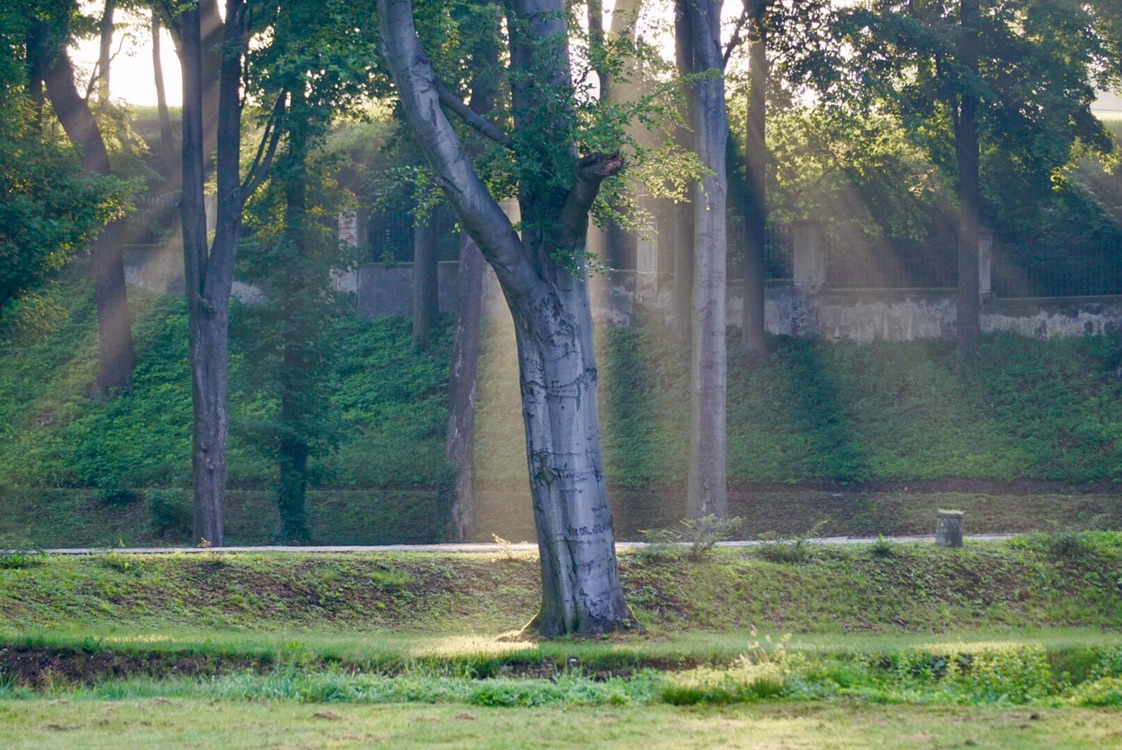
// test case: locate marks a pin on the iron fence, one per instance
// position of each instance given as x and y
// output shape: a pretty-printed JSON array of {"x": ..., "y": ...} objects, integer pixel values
[
  {"x": 863, "y": 262},
  {"x": 1092, "y": 269}
]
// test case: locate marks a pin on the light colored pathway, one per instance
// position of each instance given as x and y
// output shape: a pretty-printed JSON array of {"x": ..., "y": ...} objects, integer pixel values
[{"x": 479, "y": 547}]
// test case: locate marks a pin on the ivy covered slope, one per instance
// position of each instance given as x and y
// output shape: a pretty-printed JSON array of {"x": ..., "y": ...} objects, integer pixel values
[
  {"x": 96, "y": 472},
  {"x": 845, "y": 413},
  {"x": 67, "y": 456}
]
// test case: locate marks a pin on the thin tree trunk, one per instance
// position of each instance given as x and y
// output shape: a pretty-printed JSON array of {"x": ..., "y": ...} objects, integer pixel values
[
  {"x": 462, "y": 381},
  {"x": 295, "y": 377},
  {"x": 105, "y": 52},
  {"x": 706, "y": 485},
  {"x": 755, "y": 157},
  {"x": 684, "y": 212},
  {"x": 211, "y": 33},
  {"x": 37, "y": 62},
  {"x": 115, "y": 347},
  {"x": 969, "y": 190},
  {"x": 425, "y": 292},
  {"x": 209, "y": 276},
  {"x": 167, "y": 136}
]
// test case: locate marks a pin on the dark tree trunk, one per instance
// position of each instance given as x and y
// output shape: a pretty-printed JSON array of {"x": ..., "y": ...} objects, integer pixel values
[
  {"x": 105, "y": 52},
  {"x": 969, "y": 190},
  {"x": 209, "y": 276},
  {"x": 295, "y": 377},
  {"x": 38, "y": 60},
  {"x": 755, "y": 158},
  {"x": 167, "y": 136},
  {"x": 706, "y": 483},
  {"x": 459, "y": 484},
  {"x": 211, "y": 31},
  {"x": 461, "y": 392},
  {"x": 115, "y": 347},
  {"x": 683, "y": 214},
  {"x": 425, "y": 291},
  {"x": 581, "y": 590}
]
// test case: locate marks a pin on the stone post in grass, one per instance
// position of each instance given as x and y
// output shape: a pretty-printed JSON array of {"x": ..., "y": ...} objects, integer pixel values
[{"x": 948, "y": 528}]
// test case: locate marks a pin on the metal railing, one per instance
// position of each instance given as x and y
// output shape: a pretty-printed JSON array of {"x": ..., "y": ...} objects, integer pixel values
[
  {"x": 1093, "y": 269},
  {"x": 863, "y": 262}
]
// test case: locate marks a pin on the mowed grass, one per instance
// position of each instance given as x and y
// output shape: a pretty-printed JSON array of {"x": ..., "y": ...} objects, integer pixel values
[
  {"x": 160, "y": 723},
  {"x": 1003, "y": 645}
]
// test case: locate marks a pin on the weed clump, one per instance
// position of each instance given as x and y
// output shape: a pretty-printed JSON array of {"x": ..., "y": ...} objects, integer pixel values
[
  {"x": 20, "y": 559},
  {"x": 696, "y": 539}
]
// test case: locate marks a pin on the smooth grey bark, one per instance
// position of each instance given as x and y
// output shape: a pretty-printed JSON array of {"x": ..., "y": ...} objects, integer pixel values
[
  {"x": 114, "y": 328},
  {"x": 581, "y": 591},
  {"x": 969, "y": 310},
  {"x": 706, "y": 482},
  {"x": 209, "y": 272},
  {"x": 755, "y": 158}
]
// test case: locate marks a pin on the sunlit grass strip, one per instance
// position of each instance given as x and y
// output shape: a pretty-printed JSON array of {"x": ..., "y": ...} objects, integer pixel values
[{"x": 978, "y": 674}]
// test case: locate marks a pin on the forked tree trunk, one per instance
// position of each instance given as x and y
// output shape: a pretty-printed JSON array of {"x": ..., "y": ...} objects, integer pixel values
[
  {"x": 548, "y": 299},
  {"x": 968, "y": 325},
  {"x": 209, "y": 275}
]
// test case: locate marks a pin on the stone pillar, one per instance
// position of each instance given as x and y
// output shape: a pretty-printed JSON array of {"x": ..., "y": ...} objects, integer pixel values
[
  {"x": 948, "y": 528},
  {"x": 210, "y": 208},
  {"x": 808, "y": 248},
  {"x": 985, "y": 265}
]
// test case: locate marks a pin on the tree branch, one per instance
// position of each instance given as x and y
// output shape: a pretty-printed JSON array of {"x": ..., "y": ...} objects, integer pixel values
[
  {"x": 266, "y": 150},
  {"x": 473, "y": 120},
  {"x": 480, "y": 214},
  {"x": 735, "y": 39},
  {"x": 591, "y": 171}
]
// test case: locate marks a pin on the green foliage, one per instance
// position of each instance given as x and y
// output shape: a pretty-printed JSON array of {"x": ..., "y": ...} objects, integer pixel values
[
  {"x": 789, "y": 550},
  {"x": 21, "y": 559},
  {"x": 170, "y": 513},
  {"x": 882, "y": 547},
  {"x": 903, "y": 61},
  {"x": 697, "y": 537}
]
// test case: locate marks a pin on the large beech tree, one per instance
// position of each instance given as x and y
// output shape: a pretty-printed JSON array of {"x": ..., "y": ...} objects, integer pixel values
[{"x": 544, "y": 278}]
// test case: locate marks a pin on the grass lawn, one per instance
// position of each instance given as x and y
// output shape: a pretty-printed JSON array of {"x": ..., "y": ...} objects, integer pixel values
[
  {"x": 175, "y": 723},
  {"x": 1003, "y": 644}
]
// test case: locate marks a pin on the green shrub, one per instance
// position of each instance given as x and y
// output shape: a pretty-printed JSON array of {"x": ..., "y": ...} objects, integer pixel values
[
  {"x": 1104, "y": 692},
  {"x": 20, "y": 559},
  {"x": 170, "y": 512}
]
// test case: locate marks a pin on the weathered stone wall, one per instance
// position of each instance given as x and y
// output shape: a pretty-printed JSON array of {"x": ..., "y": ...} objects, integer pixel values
[{"x": 620, "y": 298}]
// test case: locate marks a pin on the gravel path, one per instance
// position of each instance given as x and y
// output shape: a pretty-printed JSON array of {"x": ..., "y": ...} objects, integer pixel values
[{"x": 478, "y": 547}]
